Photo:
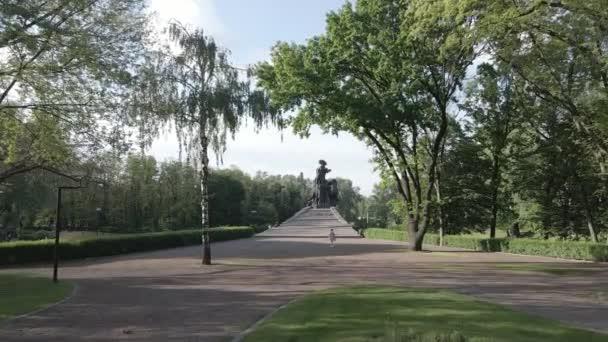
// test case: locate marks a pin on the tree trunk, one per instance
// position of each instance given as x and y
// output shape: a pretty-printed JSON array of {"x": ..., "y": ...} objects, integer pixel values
[
  {"x": 495, "y": 188},
  {"x": 589, "y": 217},
  {"x": 591, "y": 226},
  {"x": 432, "y": 173},
  {"x": 204, "y": 175},
  {"x": 105, "y": 205},
  {"x": 494, "y": 214},
  {"x": 415, "y": 243},
  {"x": 588, "y": 214},
  {"x": 440, "y": 205}
]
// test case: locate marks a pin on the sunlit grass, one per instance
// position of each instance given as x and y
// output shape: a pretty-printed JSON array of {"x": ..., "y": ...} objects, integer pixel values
[{"x": 369, "y": 314}]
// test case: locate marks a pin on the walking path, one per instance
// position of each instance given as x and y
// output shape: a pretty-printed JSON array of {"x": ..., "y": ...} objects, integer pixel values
[{"x": 168, "y": 295}]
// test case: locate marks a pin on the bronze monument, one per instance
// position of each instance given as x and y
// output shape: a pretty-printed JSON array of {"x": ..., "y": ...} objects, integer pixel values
[{"x": 326, "y": 191}]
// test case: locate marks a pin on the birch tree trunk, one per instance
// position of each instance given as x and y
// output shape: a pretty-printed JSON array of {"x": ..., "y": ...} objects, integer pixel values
[
  {"x": 204, "y": 175},
  {"x": 589, "y": 216},
  {"x": 440, "y": 207},
  {"x": 587, "y": 208}
]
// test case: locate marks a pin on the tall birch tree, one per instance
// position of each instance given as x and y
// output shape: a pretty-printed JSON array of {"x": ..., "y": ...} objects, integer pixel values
[{"x": 207, "y": 99}]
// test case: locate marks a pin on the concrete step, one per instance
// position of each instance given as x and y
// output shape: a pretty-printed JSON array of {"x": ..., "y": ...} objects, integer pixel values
[{"x": 312, "y": 223}]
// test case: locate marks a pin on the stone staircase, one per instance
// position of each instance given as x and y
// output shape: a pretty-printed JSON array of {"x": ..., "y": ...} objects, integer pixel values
[{"x": 310, "y": 222}]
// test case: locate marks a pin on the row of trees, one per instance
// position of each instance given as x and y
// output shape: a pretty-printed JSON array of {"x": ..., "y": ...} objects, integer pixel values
[
  {"x": 481, "y": 113},
  {"x": 139, "y": 194}
]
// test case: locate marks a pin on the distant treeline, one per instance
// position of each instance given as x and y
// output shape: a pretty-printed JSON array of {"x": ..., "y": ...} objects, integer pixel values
[{"x": 140, "y": 194}]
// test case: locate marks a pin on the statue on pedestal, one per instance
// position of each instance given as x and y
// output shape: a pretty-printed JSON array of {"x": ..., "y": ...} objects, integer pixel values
[{"x": 326, "y": 191}]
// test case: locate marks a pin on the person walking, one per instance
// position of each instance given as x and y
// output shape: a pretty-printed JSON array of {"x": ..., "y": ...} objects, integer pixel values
[{"x": 332, "y": 237}]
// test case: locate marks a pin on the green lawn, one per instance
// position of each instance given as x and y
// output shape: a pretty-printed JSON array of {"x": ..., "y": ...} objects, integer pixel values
[
  {"x": 383, "y": 313},
  {"x": 547, "y": 269},
  {"x": 22, "y": 294}
]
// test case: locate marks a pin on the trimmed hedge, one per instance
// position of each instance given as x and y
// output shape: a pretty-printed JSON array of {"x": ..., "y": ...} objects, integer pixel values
[
  {"x": 557, "y": 249},
  {"x": 42, "y": 251},
  {"x": 386, "y": 234}
]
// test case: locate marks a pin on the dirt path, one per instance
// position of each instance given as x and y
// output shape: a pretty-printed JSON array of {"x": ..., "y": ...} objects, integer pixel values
[{"x": 168, "y": 295}]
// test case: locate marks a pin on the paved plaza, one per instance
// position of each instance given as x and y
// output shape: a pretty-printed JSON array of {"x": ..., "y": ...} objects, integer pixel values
[{"x": 169, "y": 295}]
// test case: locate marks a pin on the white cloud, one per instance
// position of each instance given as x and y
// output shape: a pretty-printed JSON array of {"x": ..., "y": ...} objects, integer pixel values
[{"x": 195, "y": 13}]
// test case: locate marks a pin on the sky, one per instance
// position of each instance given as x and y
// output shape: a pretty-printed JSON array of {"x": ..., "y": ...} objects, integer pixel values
[{"x": 249, "y": 28}]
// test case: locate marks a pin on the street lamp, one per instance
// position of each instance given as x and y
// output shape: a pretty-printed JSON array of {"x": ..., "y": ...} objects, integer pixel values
[
  {"x": 97, "y": 219},
  {"x": 58, "y": 228}
]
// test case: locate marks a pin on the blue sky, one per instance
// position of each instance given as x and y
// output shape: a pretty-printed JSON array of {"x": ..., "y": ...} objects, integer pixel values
[{"x": 249, "y": 28}]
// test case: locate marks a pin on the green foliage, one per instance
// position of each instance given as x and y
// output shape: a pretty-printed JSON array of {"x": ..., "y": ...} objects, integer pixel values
[
  {"x": 384, "y": 207},
  {"x": 42, "y": 251},
  {"x": 557, "y": 249},
  {"x": 349, "y": 199},
  {"x": 528, "y": 149},
  {"x": 65, "y": 74},
  {"x": 263, "y": 213},
  {"x": 202, "y": 93},
  {"x": 558, "y": 50},
  {"x": 465, "y": 186},
  {"x": 141, "y": 195},
  {"x": 272, "y": 199},
  {"x": 179, "y": 196},
  {"x": 387, "y": 234},
  {"x": 386, "y": 72},
  {"x": 550, "y": 248},
  {"x": 226, "y": 198}
]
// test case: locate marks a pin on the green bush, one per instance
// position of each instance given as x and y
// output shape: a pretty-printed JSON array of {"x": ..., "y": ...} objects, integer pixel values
[
  {"x": 385, "y": 234},
  {"x": 42, "y": 251},
  {"x": 260, "y": 228},
  {"x": 558, "y": 249}
]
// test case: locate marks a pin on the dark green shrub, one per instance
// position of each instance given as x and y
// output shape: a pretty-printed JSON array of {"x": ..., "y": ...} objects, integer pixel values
[
  {"x": 260, "y": 228},
  {"x": 599, "y": 252},
  {"x": 559, "y": 249},
  {"x": 42, "y": 251}
]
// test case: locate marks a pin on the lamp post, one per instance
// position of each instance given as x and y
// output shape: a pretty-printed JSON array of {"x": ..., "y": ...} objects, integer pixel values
[
  {"x": 97, "y": 219},
  {"x": 58, "y": 228}
]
